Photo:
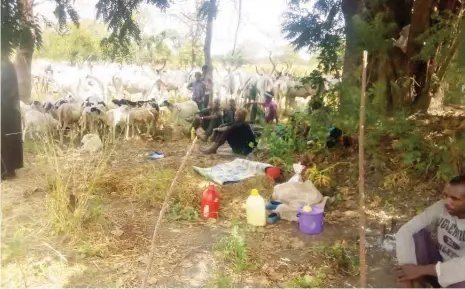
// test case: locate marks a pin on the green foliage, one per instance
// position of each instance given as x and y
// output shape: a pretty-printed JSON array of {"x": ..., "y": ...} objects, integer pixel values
[
  {"x": 375, "y": 34},
  {"x": 178, "y": 212},
  {"x": 206, "y": 7},
  {"x": 122, "y": 25},
  {"x": 319, "y": 29},
  {"x": 76, "y": 45},
  {"x": 184, "y": 57},
  {"x": 232, "y": 62},
  {"x": 151, "y": 50},
  {"x": 343, "y": 256},
  {"x": 19, "y": 27},
  {"x": 436, "y": 35},
  {"x": 234, "y": 250}
]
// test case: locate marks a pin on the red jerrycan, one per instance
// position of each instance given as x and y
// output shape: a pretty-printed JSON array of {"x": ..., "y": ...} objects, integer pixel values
[{"x": 210, "y": 203}]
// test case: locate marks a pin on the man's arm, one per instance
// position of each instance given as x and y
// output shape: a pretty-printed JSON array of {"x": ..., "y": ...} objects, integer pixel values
[
  {"x": 213, "y": 116},
  {"x": 451, "y": 272},
  {"x": 405, "y": 245}
]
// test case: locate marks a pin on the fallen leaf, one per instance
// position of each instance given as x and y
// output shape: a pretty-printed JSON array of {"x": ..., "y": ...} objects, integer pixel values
[{"x": 117, "y": 232}]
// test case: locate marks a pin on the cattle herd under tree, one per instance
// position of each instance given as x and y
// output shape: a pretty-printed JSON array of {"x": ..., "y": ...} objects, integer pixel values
[{"x": 92, "y": 97}]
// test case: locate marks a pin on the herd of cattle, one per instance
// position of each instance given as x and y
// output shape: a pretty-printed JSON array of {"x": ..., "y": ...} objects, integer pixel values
[
  {"x": 92, "y": 97},
  {"x": 108, "y": 80}
]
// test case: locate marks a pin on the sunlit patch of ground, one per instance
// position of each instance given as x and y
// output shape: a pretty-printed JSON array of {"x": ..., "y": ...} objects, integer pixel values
[{"x": 119, "y": 194}]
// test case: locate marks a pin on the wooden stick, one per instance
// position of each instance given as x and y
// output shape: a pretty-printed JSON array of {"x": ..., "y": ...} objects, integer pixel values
[
  {"x": 162, "y": 213},
  {"x": 361, "y": 176}
]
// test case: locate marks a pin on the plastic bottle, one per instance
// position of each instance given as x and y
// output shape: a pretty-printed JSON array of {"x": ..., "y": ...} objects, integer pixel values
[
  {"x": 255, "y": 209},
  {"x": 210, "y": 203},
  {"x": 192, "y": 133}
]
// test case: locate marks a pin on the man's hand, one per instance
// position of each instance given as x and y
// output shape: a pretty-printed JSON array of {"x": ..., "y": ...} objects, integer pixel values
[{"x": 411, "y": 272}]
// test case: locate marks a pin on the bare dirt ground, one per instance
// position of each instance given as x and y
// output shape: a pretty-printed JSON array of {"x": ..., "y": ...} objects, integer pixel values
[{"x": 110, "y": 248}]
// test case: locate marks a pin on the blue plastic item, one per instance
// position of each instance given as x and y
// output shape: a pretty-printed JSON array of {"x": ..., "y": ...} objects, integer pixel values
[
  {"x": 156, "y": 155},
  {"x": 272, "y": 205},
  {"x": 273, "y": 218}
]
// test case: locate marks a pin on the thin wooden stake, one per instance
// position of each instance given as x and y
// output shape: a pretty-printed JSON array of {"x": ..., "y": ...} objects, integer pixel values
[
  {"x": 361, "y": 176},
  {"x": 162, "y": 213}
]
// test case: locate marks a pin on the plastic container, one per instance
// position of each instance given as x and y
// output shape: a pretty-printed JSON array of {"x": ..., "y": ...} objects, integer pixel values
[
  {"x": 255, "y": 209},
  {"x": 273, "y": 172},
  {"x": 311, "y": 223},
  {"x": 210, "y": 203},
  {"x": 192, "y": 133},
  {"x": 273, "y": 218}
]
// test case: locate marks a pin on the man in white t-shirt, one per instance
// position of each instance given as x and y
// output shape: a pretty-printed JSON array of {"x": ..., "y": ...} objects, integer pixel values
[{"x": 431, "y": 246}]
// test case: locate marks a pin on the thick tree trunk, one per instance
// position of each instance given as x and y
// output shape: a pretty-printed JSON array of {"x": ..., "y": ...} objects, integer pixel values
[
  {"x": 352, "y": 55},
  {"x": 420, "y": 70},
  {"x": 405, "y": 79},
  {"x": 24, "y": 54}
]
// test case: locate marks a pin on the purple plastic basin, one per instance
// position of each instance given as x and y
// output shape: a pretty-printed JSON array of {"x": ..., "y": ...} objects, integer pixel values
[{"x": 311, "y": 223}]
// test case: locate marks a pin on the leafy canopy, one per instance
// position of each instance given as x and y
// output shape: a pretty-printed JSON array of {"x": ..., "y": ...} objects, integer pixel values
[
  {"x": 77, "y": 45},
  {"x": 117, "y": 14},
  {"x": 320, "y": 28}
]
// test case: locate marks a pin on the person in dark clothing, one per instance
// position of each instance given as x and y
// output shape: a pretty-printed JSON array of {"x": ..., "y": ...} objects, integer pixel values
[
  {"x": 198, "y": 90},
  {"x": 336, "y": 138},
  {"x": 271, "y": 108},
  {"x": 12, "y": 144},
  {"x": 209, "y": 119},
  {"x": 228, "y": 114},
  {"x": 239, "y": 136}
]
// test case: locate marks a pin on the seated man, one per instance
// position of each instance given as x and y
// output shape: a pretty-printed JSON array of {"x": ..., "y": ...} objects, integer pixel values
[
  {"x": 209, "y": 119},
  {"x": 438, "y": 260},
  {"x": 228, "y": 114},
  {"x": 239, "y": 136}
]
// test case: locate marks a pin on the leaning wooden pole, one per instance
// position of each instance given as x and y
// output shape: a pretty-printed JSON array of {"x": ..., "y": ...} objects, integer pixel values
[
  {"x": 164, "y": 207},
  {"x": 361, "y": 176}
]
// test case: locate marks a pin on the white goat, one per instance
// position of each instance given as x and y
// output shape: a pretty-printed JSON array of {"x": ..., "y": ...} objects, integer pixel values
[
  {"x": 182, "y": 110},
  {"x": 115, "y": 117},
  {"x": 24, "y": 108},
  {"x": 36, "y": 122}
]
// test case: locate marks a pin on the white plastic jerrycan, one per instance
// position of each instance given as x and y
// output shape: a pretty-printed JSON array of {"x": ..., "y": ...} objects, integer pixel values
[{"x": 255, "y": 208}]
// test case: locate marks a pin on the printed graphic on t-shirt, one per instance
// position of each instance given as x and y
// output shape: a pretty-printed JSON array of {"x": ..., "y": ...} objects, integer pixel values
[{"x": 451, "y": 238}]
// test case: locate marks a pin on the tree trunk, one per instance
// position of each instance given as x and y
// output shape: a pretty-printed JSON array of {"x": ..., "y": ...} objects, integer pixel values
[
  {"x": 419, "y": 69},
  {"x": 24, "y": 54},
  {"x": 196, "y": 34},
  {"x": 209, "y": 33},
  {"x": 239, "y": 14},
  {"x": 406, "y": 80},
  {"x": 207, "y": 47},
  {"x": 352, "y": 59},
  {"x": 193, "y": 55}
]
